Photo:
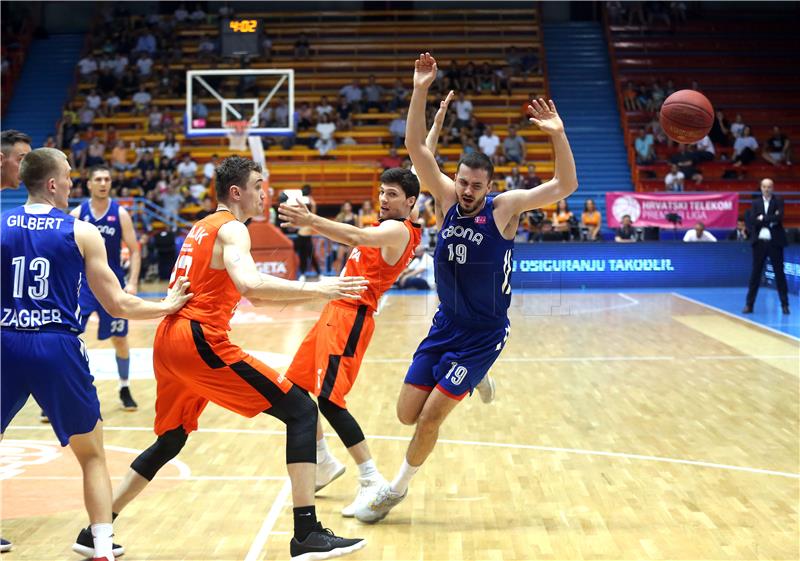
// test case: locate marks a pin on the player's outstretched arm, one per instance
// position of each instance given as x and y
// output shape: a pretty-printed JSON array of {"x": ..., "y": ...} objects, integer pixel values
[
  {"x": 249, "y": 282},
  {"x": 106, "y": 288},
  {"x": 440, "y": 186},
  {"x": 509, "y": 204},
  {"x": 390, "y": 233},
  {"x": 432, "y": 140}
]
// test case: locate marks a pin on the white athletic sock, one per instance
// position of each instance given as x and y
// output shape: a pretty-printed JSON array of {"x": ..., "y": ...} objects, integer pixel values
[
  {"x": 322, "y": 450},
  {"x": 368, "y": 469},
  {"x": 123, "y": 383},
  {"x": 103, "y": 534},
  {"x": 403, "y": 477}
]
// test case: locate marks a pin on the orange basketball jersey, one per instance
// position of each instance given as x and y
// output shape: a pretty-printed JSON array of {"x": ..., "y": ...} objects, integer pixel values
[
  {"x": 368, "y": 262},
  {"x": 215, "y": 296}
]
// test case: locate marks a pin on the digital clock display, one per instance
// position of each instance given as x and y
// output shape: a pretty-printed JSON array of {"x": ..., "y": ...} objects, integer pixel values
[{"x": 243, "y": 25}]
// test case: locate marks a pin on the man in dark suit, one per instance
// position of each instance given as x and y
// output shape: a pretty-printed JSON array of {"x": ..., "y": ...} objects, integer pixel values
[
  {"x": 768, "y": 238},
  {"x": 740, "y": 234}
]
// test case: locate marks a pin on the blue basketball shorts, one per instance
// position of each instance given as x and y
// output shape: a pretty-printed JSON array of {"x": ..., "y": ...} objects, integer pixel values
[
  {"x": 454, "y": 358},
  {"x": 109, "y": 326},
  {"x": 53, "y": 367}
]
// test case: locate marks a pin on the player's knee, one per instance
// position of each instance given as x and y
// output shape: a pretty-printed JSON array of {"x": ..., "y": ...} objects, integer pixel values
[
  {"x": 342, "y": 421},
  {"x": 166, "y": 447},
  {"x": 405, "y": 416}
]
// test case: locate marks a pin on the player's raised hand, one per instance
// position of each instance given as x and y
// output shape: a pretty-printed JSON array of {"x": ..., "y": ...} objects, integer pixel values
[
  {"x": 335, "y": 288},
  {"x": 296, "y": 215},
  {"x": 543, "y": 114},
  {"x": 443, "y": 105},
  {"x": 425, "y": 69},
  {"x": 177, "y": 295}
]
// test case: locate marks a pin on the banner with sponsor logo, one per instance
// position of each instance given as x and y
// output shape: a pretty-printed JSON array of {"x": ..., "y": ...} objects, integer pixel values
[{"x": 715, "y": 210}]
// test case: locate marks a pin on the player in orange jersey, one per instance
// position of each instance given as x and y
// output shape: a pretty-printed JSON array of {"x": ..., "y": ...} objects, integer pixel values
[
  {"x": 195, "y": 362},
  {"x": 327, "y": 362}
]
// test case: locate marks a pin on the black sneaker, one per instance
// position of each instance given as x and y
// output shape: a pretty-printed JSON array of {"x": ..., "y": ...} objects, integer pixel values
[
  {"x": 43, "y": 418},
  {"x": 323, "y": 544},
  {"x": 128, "y": 404},
  {"x": 5, "y": 545},
  {"x": 84, "y": 545}
]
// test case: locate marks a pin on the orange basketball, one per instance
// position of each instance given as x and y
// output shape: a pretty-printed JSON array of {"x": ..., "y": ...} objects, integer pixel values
[{"x": 686, "y": 116}]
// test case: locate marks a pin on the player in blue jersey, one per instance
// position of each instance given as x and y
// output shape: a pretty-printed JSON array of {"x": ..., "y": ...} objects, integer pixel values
[
  {"x": 46, "y": 256},
  {"x": 116, "y": 226},
  {"x": 473, "y": 262},
  {"x": 13, "y": 147}
]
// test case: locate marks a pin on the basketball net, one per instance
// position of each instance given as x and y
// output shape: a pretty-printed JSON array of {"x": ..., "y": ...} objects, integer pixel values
[{"x": 237, "y": 135}]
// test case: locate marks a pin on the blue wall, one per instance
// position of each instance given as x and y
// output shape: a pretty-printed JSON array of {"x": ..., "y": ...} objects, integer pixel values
[
  {"x": 791, "y": 266},
  {"x": 641, "y": 265}
]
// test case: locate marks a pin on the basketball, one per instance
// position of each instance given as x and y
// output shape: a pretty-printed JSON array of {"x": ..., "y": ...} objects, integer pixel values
[{"x": 686, "y": 116}]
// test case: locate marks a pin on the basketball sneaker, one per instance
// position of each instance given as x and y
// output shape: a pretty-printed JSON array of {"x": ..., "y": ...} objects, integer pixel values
[
  {"x": 43, "y": 418},
  {"x": 486, "y": 389},
  {"x": 5, "y": 545},
  {"x": 84, "y": 544},
  {"x": 327, "y": 471},
  {"x": 377, "y": 506},
  {"x": 128, "y": 404},
  {"x": 322, "y": 543},
  {"x": 366, "y": 489}
]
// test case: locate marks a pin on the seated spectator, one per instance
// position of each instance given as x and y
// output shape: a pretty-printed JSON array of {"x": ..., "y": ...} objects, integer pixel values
[
  {"x": 197, "y": 190},
  {"x": 305, "y": 116},
  {"x": 188, "y": 167},
  {"x": 563, "y": 219},
  {"x": 531, "y": 179},
  {"x": 502, "y": 80},
  {"x": 737, "y": 128},
  {"x": 199, "y": 110},
  {"x": 721, "y": 130},
  {"x": 630, "y": 96},
  {"x": 399, "y": 95},
  {"x": 705, "y": 149},
  {"x": 626, "y": 233},
  {"x": 302, "y": 48},
  {"x": 208, "y": 208},
  {"x": 514, "y": 180},
  {"x": 181, "y": 14},
  {"x": 488, "y": 143},
  {"x": 146, "y": 163},
  {"x": 469, "y": 79},
  {"x": 353, "y": 94},
  {"x": 94, "y": 101},
  {"x": 392, "y": 160},
  {"x": 463, "y": 108},
  {"x": 281, "y": 113},
  {"x": 591, "y": 220},
  {"x": 673, "y": 181},
  {"x": 206, "y": 46},
  {"x": 373, "y": 95},
  {"x": 741, "y": 233},
  {"x": 169, "y": 148},
  {"x": 197, "y": 15},
  {"x": 120, "y": 65},
  {"x": 266, "y": 44},
  {"x": 366, "y": 215},
  {"x": 419, "y": 273},
  {"x": 141, "y": 100},
  {"x": 654, "y": 126},
  {"x": 687, "y": 159},
  {"x": 119, "y": 156},
  {"x": 210, "y": 167},
  {"x": 699, "y": 234},
  {"x": 146, "y": 44},
  {"x": 85, "y": 116},
  {"x": 324, "y": 107},
  {"x": 514, "y": 148},
  {"x": 150, "y": 181},
  {"x": 777, "y": 148},
  {"x": 645, "y": 154},
  {"x": 485, "y": 79},
  {"x": 397, "y": 128},
  {"x": 343, "y": 114},
  {"x": 452, "y": 77},
  {"x": 172, "y": 200},
  {"x": 87, "y": 66},
  {"x": 657, "y": 96},
  {"x": 140, "y": 149},
  {"x": 96, "y": 153},
  {"x": 145, "y": 65},
  {"x": 50, "y": 143},
  {"x": 325, "y": 129},
  {"x": 744, "y": 148},
  {"x": 154, "y": 119},
  {"x": 112, "y": 103}
]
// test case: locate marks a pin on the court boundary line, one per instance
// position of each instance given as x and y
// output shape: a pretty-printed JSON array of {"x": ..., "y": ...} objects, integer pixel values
[
  {"x": 260, "y": 541},
  {"x": 734, "y": 316},
  {"x": 577, "y": 451}
]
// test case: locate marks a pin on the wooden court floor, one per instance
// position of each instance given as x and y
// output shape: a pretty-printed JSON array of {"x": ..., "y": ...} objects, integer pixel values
[{"x": 626, "y": 426}]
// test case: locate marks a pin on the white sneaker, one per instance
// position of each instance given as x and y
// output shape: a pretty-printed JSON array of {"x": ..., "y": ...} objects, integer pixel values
[
  {"x": 327, "y": 471},
  {"x": 486, "y": 389},
  {"x": 366, "y": 489},
  {"x": 378, "y": 505}
]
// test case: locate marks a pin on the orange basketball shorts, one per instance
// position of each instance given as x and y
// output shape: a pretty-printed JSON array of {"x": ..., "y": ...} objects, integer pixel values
[
  {"x": 196, "y": 363},
  {"x": 327, "y": 362}
]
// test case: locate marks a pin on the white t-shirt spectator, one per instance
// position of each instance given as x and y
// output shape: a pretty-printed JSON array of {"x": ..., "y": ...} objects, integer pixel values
[
  {"x": 744, "y": 142},
  {"x": 93, "y": 101},
  {"x": 705, "y": 145},
  {"x": 197, "y": 190},
  {"x": 674, "y": 181},
  {"x": 181, "y": 14},
  {"x": 691, "y": 236},
  {"x": 489, "y": 144},
  {"x": 326, "y": 130},
  {"x": 120, "y": 64},
  {"x": 169, "y": 150},
  {"x": 187, "y": 169},
  {"x": 155, "y": 118},
  {"x": 113, "y": 101},
  {"x": 464, "y": 110},
  {"x": 326, "y": 109},
  {"x": 142, "y": 98},
  {"x": 208, "y": 170},
  {"x": 172, "y": 202},
  {"x": 737, "y": 129},
  {"x": 145, "y": 65},
  {"x": 87, "y": 65}
]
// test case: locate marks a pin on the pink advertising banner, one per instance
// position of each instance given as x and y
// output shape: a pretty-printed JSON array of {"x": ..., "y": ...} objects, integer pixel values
[{"x": 715, "y": 210}]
